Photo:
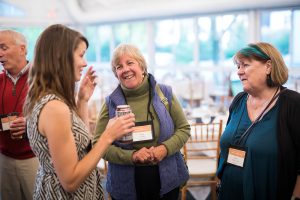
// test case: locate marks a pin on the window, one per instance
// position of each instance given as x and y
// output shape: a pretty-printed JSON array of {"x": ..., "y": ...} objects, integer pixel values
[
  {"x": 105, "y": 38},
  {"x": 134, "y": 33},
  {"x": 296, "y": 39},
  {"x": 233, "y": 36},
  {"x": 92, "y": 37},
  {"x": 220, "y": 37},
  {"x": 174, "y": 42},
  {"x": 7, "y": 9},
  {"x": 205, "y": 40},
  {"x": 275, "y": 29},
  {"x": 100, "y": 39},
  {"x": 31, "y": 34}
]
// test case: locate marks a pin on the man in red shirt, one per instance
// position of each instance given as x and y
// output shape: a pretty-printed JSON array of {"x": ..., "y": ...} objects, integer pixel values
[{"x": 18, "y": 164}]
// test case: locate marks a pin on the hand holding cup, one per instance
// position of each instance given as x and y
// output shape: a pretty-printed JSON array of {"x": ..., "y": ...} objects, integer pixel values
[{"x": 17, "y": 127}]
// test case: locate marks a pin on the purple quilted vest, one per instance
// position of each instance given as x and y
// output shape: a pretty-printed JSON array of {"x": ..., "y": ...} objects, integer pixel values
[{"x": 173, "y": 172}]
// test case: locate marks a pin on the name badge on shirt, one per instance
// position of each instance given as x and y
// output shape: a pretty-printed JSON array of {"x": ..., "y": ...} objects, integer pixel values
[
  {"x": 7, "y": 119},
  {"x": 236, "y": 156},
  {"x": 143, "y": 131}
]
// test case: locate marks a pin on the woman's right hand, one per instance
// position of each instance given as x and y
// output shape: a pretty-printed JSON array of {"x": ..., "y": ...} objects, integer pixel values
[{"x": 120, "y": 126}]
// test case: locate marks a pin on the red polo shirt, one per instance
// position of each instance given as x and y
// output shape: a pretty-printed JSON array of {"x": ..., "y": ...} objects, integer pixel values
[{"x": 9, "y": 102}]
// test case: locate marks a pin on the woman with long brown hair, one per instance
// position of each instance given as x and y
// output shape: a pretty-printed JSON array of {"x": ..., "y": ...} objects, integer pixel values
[{"x": 56, "y": 120}]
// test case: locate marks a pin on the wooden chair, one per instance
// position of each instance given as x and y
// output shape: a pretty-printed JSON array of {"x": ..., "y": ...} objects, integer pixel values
[
  {"x": 201, "y": 154},
  {"x": 103, "y": 167}
]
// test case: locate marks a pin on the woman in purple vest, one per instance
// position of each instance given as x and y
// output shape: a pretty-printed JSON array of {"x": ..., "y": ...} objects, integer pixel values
[{"x": 148, "y": 164}]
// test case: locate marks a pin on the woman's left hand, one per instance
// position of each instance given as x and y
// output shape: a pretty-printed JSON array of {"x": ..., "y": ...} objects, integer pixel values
[
  {"x": 87, "y": 85},
  {"x": 160, "y": 152},
  {"x": 17, "y": 128}
]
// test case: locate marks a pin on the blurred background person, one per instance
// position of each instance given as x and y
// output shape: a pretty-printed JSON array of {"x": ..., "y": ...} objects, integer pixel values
[
  {"x": 261, "y": 143},
  {"x": 57, "y": 122},
  {"x": 148, "y": 167},
  {"x": 18, "y": 164}
]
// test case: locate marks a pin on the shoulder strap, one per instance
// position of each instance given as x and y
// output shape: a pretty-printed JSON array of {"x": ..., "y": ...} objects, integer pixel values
[{"x": 165, "y": 94}]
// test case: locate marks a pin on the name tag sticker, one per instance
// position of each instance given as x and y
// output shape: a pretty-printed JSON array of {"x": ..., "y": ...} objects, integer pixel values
[
  {"x": 5, "y": 122},
  {"x": 236, "y": 156},
  {"x": 143, "y": 131}
]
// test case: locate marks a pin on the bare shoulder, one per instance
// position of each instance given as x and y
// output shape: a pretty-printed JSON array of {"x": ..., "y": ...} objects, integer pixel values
[
  {"x": 56, "y": 107},
  {"x": 54, "y": 115}
]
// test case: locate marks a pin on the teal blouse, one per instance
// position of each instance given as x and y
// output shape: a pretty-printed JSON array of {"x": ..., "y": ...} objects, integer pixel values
[{"x": 258, "y": 178}]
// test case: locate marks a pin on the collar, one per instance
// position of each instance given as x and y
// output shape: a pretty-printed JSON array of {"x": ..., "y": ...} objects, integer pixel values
[
  {"x": 141, "y": 89},
  {"x": 15, "y": 80}
]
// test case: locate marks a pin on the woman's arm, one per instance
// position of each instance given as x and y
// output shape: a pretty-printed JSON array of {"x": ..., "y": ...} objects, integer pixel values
[
  {"x": 55, "y": 125},
  {"x": 182, "y": 129},
  {"x": 113, "y": 154}
]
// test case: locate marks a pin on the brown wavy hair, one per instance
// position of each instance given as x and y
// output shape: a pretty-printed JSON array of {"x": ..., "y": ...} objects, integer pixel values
[{"x": 52, "y": 71}]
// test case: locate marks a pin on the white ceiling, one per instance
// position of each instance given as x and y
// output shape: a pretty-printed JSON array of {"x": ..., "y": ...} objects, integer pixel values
[{"x": 46, "y": 12}]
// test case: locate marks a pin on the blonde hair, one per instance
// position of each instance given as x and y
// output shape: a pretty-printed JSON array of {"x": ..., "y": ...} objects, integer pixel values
[
  {"x": 130, "y": 50},
  {"x": 263, "y": 52}
]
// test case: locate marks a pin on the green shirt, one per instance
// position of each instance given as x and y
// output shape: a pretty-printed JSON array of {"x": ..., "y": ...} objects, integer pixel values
[{"x": 138, "y": 99}]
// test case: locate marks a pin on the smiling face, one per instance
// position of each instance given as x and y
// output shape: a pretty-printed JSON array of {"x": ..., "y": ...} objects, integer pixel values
[
  {"x": 253, "y": 74},
  {"x": 129, "y": 72},
  {"x": 79, "y": 60}
]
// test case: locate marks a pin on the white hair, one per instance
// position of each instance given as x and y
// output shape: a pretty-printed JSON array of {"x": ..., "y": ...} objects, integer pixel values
[{"x": 18, "y": 38}]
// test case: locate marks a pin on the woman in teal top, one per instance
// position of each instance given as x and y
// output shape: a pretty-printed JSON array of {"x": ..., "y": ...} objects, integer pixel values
[
  {"x": 237, "y": 181},
  {"x": 259, "y": 156}
]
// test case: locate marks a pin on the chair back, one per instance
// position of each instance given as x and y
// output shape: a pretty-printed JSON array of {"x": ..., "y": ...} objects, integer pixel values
[{"x": 201, "y": 153}]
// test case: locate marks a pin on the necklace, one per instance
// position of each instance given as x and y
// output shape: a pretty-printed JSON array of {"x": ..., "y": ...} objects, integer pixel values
[
  {"x": 255, "y": 105},
  {"x": 256, "y": 110},
  {"x": 262, "y": 105}
]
